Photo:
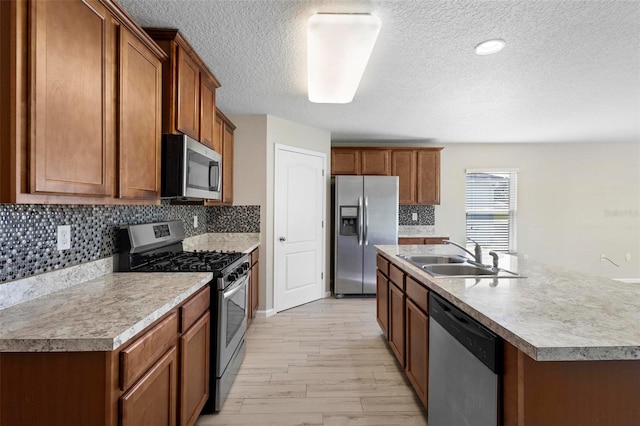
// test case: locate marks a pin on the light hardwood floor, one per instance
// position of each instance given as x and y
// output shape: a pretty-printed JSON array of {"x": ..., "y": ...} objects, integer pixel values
[{"x": 323, "y": 363}]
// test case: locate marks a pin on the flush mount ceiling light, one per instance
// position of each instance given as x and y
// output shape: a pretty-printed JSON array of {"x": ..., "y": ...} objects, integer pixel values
[
  {"x": 338, "y": 49},
  {"x": 490, "y": 46}
]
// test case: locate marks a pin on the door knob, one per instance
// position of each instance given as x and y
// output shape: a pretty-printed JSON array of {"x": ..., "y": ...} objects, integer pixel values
[{"x": 282, "y": 239}]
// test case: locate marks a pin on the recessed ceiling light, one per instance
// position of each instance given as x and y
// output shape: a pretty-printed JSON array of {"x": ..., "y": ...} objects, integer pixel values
[{"x": 490, "y": 46}]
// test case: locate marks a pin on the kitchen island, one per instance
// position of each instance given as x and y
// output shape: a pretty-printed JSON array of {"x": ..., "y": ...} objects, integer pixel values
[{"x": 572, "y": 341}]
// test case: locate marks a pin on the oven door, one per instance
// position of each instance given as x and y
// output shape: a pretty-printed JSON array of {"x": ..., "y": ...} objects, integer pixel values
[
  {"x": 203, "y": 171},
  {"x": 232, "y": 324}
]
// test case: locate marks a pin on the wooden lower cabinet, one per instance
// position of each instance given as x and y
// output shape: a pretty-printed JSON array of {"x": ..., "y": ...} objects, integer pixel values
[
  {"x": 194, "y": 370},
  {"x": 152, "y": 400},
  {"x": 417, "y": 349},
  {"x": 382, "y": 302},
  {"x": 420, "y": 240},
  {"x": 158, "y": 378},
  {"x": 253, "y": 292},
  {"x": 396, "y": 321}
]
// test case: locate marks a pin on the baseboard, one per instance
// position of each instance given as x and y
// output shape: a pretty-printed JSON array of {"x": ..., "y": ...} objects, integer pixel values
[{"x": 265, "y": 314}]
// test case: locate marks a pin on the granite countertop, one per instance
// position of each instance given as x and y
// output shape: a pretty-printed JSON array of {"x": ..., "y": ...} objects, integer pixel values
[
  {"x": 553, "y": 314},
  {"x": 243, "y": 242},
  {"x": 97, "y": 315},
  {"x": 420, "y": 231}
]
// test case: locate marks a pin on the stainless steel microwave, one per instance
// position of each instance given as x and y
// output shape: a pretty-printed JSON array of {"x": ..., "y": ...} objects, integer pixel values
[{"x": 190, "y": 170}]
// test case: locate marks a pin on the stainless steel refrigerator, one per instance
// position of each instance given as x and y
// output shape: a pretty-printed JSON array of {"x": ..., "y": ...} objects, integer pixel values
[{"x": 366, "y": 214}]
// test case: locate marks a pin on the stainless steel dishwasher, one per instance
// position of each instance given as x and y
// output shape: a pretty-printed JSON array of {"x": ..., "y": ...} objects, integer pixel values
[{"x": 465, "y": 362}]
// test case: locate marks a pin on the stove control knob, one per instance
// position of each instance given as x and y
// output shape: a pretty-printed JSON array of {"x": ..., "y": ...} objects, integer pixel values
[{"x": 232, "y": 276}]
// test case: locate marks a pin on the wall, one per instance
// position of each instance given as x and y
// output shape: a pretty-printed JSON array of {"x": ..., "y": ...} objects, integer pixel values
[
  {"x": 255, "y": 137},
  {"x": 575, "y": 201},
  {"x": 28, "y": 232}
]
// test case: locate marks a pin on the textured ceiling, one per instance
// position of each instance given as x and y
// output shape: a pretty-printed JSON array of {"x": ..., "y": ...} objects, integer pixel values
[{"x": 570, "y": 71}]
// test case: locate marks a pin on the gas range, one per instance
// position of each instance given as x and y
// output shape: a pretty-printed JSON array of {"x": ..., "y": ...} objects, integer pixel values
[{"x": 157, "y": 247}]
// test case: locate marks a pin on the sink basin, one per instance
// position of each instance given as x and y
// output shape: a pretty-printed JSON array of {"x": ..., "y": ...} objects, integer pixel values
[
  {"x": 453, "y": 270},
  {"x": 430, "y": 260}
]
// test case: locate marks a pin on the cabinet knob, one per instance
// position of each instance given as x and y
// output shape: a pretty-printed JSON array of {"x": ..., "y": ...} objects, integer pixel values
[{"x": 283, "y": 239}]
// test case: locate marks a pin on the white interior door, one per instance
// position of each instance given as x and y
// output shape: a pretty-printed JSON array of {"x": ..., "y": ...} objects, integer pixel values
[{"x": 298, "y": 227}]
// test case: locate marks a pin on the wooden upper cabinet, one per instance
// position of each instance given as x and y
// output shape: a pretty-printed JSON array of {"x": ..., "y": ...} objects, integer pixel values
[
  {"x": 140, "y": 119},
  {"x": 345, "y": 161},
  {"x": 218, "y": 133},
  {"x": 358, "y": 161},
  {"x": 418, "y": 169},
  {"x": 403, "y": 165},
  {"x": 80, "y": 104},
  {"x": 208, "y": 113},
  {"x": 71, "y": 120},
  {"x": 227, "y": 165},
  {"x": 188, "y": 111},
  {"x": 224, "y": 136},
  {"x": 375, "y": 162},
  {"x": 188, "y": 89},
  {"x": 428, "y": 175}
]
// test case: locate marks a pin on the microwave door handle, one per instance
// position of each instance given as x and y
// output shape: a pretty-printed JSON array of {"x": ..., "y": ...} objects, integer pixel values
[{"x": 213, "y": 165}]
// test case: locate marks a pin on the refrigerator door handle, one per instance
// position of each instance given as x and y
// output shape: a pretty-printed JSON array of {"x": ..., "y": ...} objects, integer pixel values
[
  {"x": 366, "y": 221},
  {"x": 360, "y": 225}
]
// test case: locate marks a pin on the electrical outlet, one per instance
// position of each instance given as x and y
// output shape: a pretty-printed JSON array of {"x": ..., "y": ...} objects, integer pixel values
[
  {"x": 414, "y": 216},
  {"x": 64, "y": 237},
  {"x": 627, "y": 257},
  {"x": 195, "y": 221}
]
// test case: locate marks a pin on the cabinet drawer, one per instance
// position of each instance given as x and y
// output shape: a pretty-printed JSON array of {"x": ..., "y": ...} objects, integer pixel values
[
  {"x": 194, "y": 308},
  {"x": 144, "y": 352},
  {"x": 410, "y": 241},
  {"x": 383, "y": 265},
  {"x": 396, "y": 275},
  {"x": 418, "y": 294}
]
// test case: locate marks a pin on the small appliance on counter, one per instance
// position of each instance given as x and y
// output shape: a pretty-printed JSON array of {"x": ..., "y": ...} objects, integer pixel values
[
  {"x": 190, "y": 170},
  {"x": 366, "y": 214},
  {"x": 157, "y": 247}
]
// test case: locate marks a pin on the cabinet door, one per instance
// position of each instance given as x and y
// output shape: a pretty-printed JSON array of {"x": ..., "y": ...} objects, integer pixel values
[
  {"x": 345, "y": 161},
  {"x": 428, "y": 185},
  {"x": 409, "y": 241},
  {"x": 417, "y": 366},
  {"x": 255, "y": 289},
  {"x": 194, "y": 370},
  {"x": 375, "y": 162},
  {"x": 403, "y": 165},
  {"x": 382, "y": 303},
  {"x": 227, "y": 166},
  {"x": 208, "y": 113},
  {"x": 72, "y": 95},
  {"x": 396, "y": 321},
  {"x": 435, "y": 240},
  {"x": 188, "y": 112},
  {"x": 218, "y": 134},
  {"x": 152, "y": 399},
  {"x": 140, "y": 119}
]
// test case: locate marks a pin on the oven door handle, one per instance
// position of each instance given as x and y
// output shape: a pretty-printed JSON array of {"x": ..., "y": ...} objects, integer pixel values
[{"x": 234, "y": 290}]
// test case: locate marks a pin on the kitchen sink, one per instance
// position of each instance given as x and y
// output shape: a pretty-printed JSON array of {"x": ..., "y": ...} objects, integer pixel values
[
  {"x": 429, "y": 260},
  {"x": 455, "y": 266},
  {"x": 457, "y": 270}
]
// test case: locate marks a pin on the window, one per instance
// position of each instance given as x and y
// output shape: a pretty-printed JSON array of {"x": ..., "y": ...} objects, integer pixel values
[{"x": 491, "y": 208}]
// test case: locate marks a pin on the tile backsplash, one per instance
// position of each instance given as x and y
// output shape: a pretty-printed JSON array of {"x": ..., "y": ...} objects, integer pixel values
[
  {"x": 426, "y": 215},
  {"x": 28, "y": 232}
]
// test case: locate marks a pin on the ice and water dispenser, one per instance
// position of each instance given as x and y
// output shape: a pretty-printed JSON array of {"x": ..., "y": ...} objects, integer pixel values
[{"x": 348, "y": 220}]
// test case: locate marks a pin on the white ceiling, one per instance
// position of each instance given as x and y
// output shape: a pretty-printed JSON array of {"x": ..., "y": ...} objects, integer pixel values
[{"x": 570, "y": 71}]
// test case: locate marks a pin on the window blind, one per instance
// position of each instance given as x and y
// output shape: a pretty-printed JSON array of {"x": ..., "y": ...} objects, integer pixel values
[{"x": 491, "y": 202}]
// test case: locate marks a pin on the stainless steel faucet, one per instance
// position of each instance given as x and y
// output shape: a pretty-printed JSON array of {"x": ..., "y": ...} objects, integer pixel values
[{"x": 478, "y": 250}]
